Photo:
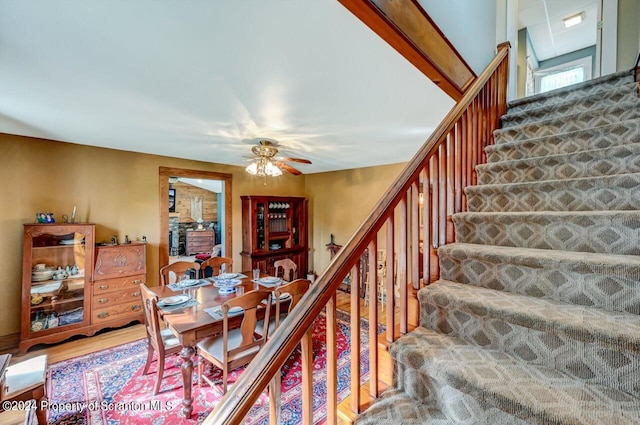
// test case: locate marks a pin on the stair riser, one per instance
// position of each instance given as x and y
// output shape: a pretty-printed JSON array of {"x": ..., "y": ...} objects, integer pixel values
[
  {"x": 590, "y": 194},
  {"x": 460, "y": 407},
  {"x": 569, "y": 94},
  {"x": 611, "y": 234},
  {"x": 596, "y": 163},
  {"x": 552, "y": 349},
  {"x": 606, "y": 98},
  {"x": 602, "y": 137},
  {"x": 566, "y": 124},
  {"x": 608, "y": 290}
]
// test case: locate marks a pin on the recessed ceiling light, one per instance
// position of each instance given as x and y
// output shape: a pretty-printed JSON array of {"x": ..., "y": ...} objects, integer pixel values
[{"x": 574, "y": 20}]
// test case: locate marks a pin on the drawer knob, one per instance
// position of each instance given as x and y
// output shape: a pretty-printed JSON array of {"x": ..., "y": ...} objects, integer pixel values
[
  {"x": 136, "y": 294},
  {"x": 136, "y": 281},
  {"x": 136, "y": 307},
  {"x": 103, "y": 314},
  {"x": 103, "y": 300},
  {"x": 103, "y": 287}
]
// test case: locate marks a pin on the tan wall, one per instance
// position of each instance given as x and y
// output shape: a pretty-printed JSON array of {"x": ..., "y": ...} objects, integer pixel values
[
  {"x": 628, "y": 33},
  {"x": 117, "y": 190},
  {"x": 339, "y": 202}
]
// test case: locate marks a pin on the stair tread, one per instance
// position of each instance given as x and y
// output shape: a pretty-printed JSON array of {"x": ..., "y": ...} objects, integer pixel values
[
  {"x": 536, "y": 256},
  {"x": 593, "y": 82},
  {"x": 577, "y": 180},
  {"x": 571, "y": 157},
  {"x": 537, "y": 393},
  {"x": 397, "y": 407},
  {"x": 627, "y": 88},
  {"x": 580, "y": 322},
  {"x": 560, "y": 214},
  {"x": 628, "y": 107}
]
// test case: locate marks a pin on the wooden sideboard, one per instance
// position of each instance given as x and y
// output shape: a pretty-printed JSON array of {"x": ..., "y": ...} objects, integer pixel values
[{"x": 200, "y": 241}]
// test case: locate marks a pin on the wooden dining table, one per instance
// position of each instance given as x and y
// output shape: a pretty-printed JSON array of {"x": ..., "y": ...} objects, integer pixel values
[{"x": 192, "y": 324}]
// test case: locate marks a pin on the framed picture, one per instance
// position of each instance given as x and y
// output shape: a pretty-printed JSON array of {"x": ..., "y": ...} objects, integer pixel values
[{"x": 172, "y": 200}]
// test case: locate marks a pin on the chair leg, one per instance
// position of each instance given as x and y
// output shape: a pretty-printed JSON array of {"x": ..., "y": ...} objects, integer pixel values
[
  {"x": 200, "y": 371},
  {"x": 159, "y": 374},
  {"x": 224, "y": 380},
  {"x": 149, "y": 358}
]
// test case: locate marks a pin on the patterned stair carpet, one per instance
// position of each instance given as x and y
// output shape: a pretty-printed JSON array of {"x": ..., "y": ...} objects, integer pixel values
[{"x": 536, "y": 316}]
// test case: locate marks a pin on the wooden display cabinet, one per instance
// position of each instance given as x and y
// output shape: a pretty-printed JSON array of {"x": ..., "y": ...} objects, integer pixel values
[
  {"x": 55, "y": 307},
  {"x": 90, "y": 296},
  {"x": 274, "y": 228}
]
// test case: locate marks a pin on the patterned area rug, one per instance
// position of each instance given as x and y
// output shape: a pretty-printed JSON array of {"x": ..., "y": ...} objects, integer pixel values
[{"x": 108, "y": 388}]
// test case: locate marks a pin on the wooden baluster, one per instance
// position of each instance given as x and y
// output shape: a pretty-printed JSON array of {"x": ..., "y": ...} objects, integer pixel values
[
  {"x": 435, "y": 198},
  {"x": 426, "y": 226},
  {"x": 462, "y": 140},
  {"x": 450, "y": 186},
  {"x": 389, "y": 281},
  {"x": 402, "y": 263},
  {"x": 307, "y": 378},
  {"x": 475, "y": 139},
  {"x": 442, "y": 192},
  {"x": 415, "y": 236},
  {"x": 457, "y": 174},
  {"x": 332, "y": 362},
  {"x": 355, "y": 337},
  {"x": 373, "y": 318}
]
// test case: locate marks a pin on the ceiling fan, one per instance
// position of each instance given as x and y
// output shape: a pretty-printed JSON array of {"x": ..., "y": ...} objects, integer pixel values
[{"x": 266, "y": 163}]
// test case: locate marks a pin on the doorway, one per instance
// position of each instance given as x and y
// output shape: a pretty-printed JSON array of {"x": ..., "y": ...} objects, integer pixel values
[{"x": 224, "y": 221}]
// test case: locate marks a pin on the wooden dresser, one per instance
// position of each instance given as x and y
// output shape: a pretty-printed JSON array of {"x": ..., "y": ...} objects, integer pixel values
[
  {"x": 199, "y": 241},
  {"x": 119, "y": 270}
]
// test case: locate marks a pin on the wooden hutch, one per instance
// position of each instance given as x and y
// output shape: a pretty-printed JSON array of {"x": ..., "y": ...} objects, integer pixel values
[
  {"x": 71, "y": 287},
  {"x": 274, "y": 228}
]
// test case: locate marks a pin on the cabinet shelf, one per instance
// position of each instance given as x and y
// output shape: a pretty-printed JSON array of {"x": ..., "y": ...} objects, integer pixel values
[{"x": 51, "y": 304}]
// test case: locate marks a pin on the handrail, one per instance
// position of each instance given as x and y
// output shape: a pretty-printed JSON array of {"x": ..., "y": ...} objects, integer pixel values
[{"x": 254, "y": 380}]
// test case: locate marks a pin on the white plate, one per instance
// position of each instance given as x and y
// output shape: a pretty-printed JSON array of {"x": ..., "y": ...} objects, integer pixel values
[
  {"x": 270, "y": 279},
  {"x": 227, "y": 275},
  {"x": 175, "y": 300},
  {"x": 236, "y": 310},
  {"x": 188, "y": 282},
  {"x": 227, "y": 283},
  {"x": 70, "y": 241},
  {"x": 283, "y": 297}
]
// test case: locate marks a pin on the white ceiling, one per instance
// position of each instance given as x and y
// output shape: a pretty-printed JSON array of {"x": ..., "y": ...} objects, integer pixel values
[
  {"x": 548, "y": 35},
  {"x": 205, "y": 80}
]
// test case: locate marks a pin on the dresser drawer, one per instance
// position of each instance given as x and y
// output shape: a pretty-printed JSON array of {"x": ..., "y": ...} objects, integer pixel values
[
  {"x": 119, "y": 297},
  {"x": 118, "y": 311},
  {"x": 111, "y": 285},
  {"x": 119, "y": 260},
  {"x": 199, "y": 241}
]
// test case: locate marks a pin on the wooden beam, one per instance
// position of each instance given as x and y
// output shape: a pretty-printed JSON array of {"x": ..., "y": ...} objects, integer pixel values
[{"x": 409, "y": 30}]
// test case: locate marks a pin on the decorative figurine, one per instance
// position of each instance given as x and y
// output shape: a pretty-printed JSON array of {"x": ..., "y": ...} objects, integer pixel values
[
  {"x": 126, "y": 240},
  {"x": 114, "y": 240},
  {"x": 144, "y": 239}
]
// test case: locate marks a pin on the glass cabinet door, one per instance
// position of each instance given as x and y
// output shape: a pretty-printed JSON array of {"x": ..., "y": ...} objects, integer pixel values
[
  {"x": 58, "y": 268},
  {"x": 260, "y": 226}
]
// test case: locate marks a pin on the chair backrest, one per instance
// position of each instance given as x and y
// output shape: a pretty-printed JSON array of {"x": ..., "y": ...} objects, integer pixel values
[
  {"x": 289, "y": 269},
  {"x": 216, "y": 264},
  {"x": 296, "y": 290},
  {"x": 150, "y": 306},
  {"x": 174, "y": 271},
  {"x": 252, "y": 338}
]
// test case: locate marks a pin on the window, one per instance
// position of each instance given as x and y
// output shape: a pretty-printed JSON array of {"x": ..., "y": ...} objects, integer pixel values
[{"x": 563, "y": 75}]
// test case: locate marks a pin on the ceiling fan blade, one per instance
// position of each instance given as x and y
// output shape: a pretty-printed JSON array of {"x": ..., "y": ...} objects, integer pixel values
[
  {"x": 288, "y": 168},
  {"x": 300, "y": 160}
]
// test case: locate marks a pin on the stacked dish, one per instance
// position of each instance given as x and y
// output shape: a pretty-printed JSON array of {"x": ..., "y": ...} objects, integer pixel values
[{"x": 42, "y": 274}]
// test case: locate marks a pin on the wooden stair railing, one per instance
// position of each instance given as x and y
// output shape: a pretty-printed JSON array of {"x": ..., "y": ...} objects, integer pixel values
[{"x": 429, "y": 190}]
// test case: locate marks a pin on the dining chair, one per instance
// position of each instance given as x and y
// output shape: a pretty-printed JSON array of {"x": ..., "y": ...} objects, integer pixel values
[
  {"x": 236, "y": 347},
  {"x": 162, "y": 341},
  {"x": 217, "y": 264},
  {"x": 173, "y": 272},
  {"x": 289, "y": 269},
  {"x": 24, "y": 381}
]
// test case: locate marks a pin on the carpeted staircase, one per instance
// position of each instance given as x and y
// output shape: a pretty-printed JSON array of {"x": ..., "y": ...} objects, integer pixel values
[{"x": 536, "y": 316}]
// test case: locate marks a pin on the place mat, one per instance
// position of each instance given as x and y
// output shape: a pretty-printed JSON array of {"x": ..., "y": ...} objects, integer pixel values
[
  {"x": 191, "y": 303},
  {"x": 176, "y": 286},
  {"x": 216, "y": 312}
]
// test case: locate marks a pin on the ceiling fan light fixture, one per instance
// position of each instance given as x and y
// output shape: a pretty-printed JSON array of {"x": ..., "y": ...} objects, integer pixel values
[
  {"x": 272, "y": 170},
  {"x": 252, "y": 168}
]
